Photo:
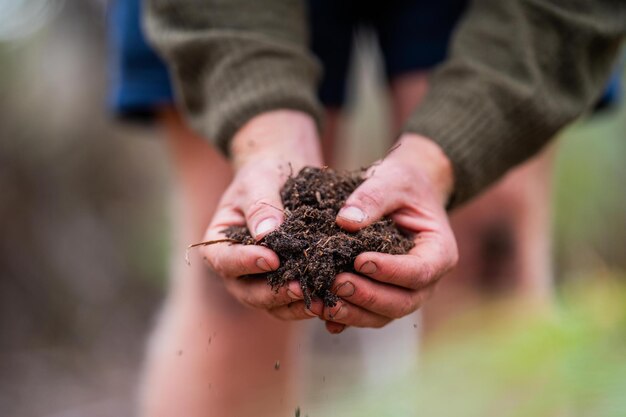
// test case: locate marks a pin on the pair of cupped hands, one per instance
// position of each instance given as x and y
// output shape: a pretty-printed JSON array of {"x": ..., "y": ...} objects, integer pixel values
[{"x": 411, "y": 185}]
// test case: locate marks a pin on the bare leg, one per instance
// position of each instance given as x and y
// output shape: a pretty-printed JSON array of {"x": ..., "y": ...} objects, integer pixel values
[
  {"x": 208, "y": 355},
  {"x": 504, "y": 236},
  {"x": 329, "y": 136}
]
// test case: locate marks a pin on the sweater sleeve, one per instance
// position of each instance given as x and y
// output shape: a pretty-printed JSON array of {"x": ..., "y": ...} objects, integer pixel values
[
  {"x": 519, "y": 71},
  {"x": 233, "y": 59}
]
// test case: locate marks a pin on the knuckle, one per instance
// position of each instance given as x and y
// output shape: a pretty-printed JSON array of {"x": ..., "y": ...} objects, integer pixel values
[
  {"x": 371, "y": 197},
  {"x": 248, "y": 300},
  {"x": 280, "y": 314},
  {"x": 258, "y": 208},
  {"x": 394, "y": 273},
  {"x": 243, "y": 299},
  {"x": 405, "y": 307},
  {"x": 369, "y": 299},
  {"x": 403, "y": 183},
  {"x": 217, "y": 266},
  {"x": 241, "y": 263},
  {"x": 269, "y": 303},
  {"x": 209, "y": 264},
  {"x": 275, "y": 300},
  {"x": 217, "y": 262},
  {"x": 209, "y": 259}
]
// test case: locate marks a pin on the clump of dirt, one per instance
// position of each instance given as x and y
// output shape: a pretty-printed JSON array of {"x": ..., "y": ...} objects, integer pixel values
[{"x": 311, "y": 247}]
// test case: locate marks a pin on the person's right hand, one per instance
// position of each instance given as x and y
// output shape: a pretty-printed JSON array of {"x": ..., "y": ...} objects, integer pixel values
[{"x": 265, "y": 151}]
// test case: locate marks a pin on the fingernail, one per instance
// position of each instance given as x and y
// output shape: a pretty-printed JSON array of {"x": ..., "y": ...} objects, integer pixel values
[
  {"x": 317, "y": 309},
  {"x": 294, "y": 291},
  {"x": 339, "y": 314},
  {"x": 354, "y": 214},
  {"x": 265, "y": 226},
  {"x": 309, "y": 312},
  {"x": 337, "y": 330},
  {"x": 368, "y": 267},
  {"x": 293, "y": 295},
  {"x": 262, "y": 264},
  {"x": 345, "y": 290}
]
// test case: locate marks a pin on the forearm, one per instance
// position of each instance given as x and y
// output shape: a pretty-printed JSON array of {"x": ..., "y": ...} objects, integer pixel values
[
  {"x": 518, "y": 72},
  {"x": 234, "y": 59}
]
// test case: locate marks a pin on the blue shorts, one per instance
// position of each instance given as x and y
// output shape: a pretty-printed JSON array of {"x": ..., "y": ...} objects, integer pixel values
[
  {"x": 412, "y": 34},
  {"x": 138, "y": 79}
]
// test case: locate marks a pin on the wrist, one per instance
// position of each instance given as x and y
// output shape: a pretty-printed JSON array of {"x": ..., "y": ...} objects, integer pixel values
[
  {"x": 287, "y": 135},
  {"x": 432, "y": 161}
]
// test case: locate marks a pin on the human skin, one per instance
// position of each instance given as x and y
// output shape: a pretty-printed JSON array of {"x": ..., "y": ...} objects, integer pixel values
[
  {"x": 207, "y": 349},
  {"x": 517, "y": 208},
  {"x": 207, "y": 380},
  {"x": 412, "y": 186}
]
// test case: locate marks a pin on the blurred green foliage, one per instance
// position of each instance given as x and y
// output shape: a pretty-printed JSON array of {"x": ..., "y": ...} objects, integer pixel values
[
  {"x": 84, "y": 244},
  {"x": 569, "y": 360}
]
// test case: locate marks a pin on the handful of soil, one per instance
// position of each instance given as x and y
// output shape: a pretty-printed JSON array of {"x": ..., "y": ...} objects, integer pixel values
[{"x": 311, "y": 247}]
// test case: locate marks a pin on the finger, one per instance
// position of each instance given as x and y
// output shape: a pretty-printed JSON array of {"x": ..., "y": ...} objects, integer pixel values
[
  {"x": 369, "y": 202},
  {"x": 428, "y": 261},
  {"x": 335, "y": 328},
  {"x": 232, "y": 260},
  {"x": 255, "y": 293},
  {"x": 263, "y": 208},
  {"x": 383, "y": 299},
  {"x": 298, "y": 311},
  {"x": 349, "y": 314}
]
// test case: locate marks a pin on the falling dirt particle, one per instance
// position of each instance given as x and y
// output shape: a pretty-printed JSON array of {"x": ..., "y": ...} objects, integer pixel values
[
  {"x": 180, "y": 352},
  {"x": 414, "y": 326},
  {"x": 277, "y": 365},
  {"x": 297, "y": 411},
  {"x": 210, "y": 338},
  {"x": 324, "y": 378}
]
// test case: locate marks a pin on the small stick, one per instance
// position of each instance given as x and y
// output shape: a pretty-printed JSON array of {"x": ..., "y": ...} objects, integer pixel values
[
  {"x": 272, "y": 206},
  {"x": 393, "y": 148},
  {"x": 206, "y": 243},
  {"x": 380, "y": 161}
]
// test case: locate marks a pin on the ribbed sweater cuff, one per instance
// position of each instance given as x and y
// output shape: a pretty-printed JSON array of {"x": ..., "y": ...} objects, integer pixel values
[
  {"x": 259, "y": 80},
  {"x": 473, "y": 130},
  {"x": 233, "y": 114}
]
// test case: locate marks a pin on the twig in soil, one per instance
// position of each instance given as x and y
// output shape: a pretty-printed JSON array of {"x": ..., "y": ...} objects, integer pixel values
[
  {"x": 285, "y": 211},
  {"x": 206, "y": 243},
  {"x": 393, "y": 148},
  {"x": 372, "y": 167}
]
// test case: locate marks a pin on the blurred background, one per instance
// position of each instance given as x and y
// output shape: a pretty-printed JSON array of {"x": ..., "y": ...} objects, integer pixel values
[{"x": 84, "y": 235}]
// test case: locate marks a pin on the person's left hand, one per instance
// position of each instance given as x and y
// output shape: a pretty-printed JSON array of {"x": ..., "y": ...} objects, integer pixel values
[{"x": 411, "y": 185}]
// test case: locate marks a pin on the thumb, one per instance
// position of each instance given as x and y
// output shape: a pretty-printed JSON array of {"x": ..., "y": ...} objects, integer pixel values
[
  {"x": 263, "y": 211},
  {"x": 367, "y": 204}
]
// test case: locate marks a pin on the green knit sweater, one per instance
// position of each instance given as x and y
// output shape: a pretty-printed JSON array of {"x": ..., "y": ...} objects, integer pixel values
[{"x": 518, "y": 71}]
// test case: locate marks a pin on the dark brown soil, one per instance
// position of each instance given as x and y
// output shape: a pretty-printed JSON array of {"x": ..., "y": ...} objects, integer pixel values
[{"x": 311, "y": 247}]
